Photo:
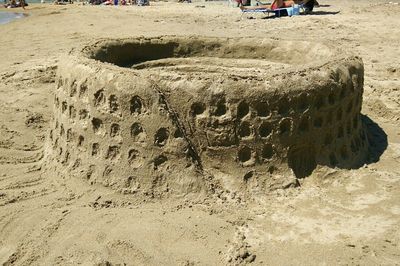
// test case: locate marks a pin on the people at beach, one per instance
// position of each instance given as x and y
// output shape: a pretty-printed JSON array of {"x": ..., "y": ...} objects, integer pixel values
[
  {"x": 11, "y": 4},
  {"x": 143, "y": 2},
  {"x": 108, "y": 3},
  {"x": 243, "y": 2},
  {"x": 112, "y": 2},
  {"x": 59, "y": 2},
  {"x": 119, "y": 2},
  {"x": 14, "y": 4},
  {"x": 307, "y": 4}
]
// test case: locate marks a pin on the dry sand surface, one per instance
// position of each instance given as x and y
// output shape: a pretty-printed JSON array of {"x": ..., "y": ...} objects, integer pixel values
[{"x": 334, "y": 217}]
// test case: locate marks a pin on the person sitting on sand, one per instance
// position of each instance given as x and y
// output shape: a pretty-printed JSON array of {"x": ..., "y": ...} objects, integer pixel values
[
  {"x": 14, "y": 4},
  {"x": 108, "y": 3},
  {"x": 243, "y": 2},
  {"x": 308, "y": 5},
  {"x": 21, "y": 3},
  {"x": 11, "y": 4},
  {"x": 57, "y": 2},
  {"x": 143, "y": 2}
]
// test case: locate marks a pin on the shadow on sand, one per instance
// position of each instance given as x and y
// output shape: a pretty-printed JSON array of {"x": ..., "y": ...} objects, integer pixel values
[
  {"x": 322, "y": 13},
  {"x": 377, "y": 139}
]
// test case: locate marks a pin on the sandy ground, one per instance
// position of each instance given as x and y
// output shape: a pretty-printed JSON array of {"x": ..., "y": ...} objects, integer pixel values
[{"x": 336, "y": 216}]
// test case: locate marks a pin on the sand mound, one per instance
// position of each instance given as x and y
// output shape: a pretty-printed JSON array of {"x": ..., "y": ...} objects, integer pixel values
[{"x": 164, "y": 115}]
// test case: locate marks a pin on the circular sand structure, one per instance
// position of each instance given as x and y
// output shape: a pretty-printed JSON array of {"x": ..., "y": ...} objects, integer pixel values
[{"x": 158, "y": 115}]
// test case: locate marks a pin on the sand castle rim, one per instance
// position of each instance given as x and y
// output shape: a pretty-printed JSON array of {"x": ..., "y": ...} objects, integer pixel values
[{"x": 143, "y": 53}]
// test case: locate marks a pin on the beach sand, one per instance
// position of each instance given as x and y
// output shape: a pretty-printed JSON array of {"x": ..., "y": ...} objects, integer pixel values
[{"x": 335, "y": 217}]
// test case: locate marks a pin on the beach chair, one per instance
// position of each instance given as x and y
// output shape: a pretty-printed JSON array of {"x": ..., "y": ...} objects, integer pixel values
[
  {"x": 277, "y": 11},
  {"x": 259, "y": 10}
]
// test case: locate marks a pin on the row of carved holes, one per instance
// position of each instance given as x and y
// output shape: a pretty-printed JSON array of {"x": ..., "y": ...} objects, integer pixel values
[
  {"x": 133, "y": 154},
  {"x": 160, "y": 138},
  {"x": 245, "y": 153},
  {"x": 83, "y": 113},
  {"x": 198, "y": 108},
  {"x": 265, "y": 128},
  {"x": 137, "y": 132},
  {"x": 131, "y": 180},
  {"x": 242, "y": 110},
  {"x": 285, "y": 125},
  {"x": 113, "y": 151},
  {"x": 135, "y": 104},
  {"x": 245, "y": 127},
  {"x": 99, "y": 98},
  {"x": 73, "y": 88},
  {"x": 262, "y": 108}
]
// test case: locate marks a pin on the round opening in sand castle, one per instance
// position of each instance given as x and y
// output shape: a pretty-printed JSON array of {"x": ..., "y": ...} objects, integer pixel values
[{"x": 158, "y": 115}]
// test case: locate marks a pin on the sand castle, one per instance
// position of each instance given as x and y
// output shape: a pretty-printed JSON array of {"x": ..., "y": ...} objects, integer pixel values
[{"x": 162, "y": 115}]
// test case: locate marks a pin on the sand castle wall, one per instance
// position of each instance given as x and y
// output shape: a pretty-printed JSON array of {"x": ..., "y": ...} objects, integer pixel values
[{"x": 162, "y": 115}]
